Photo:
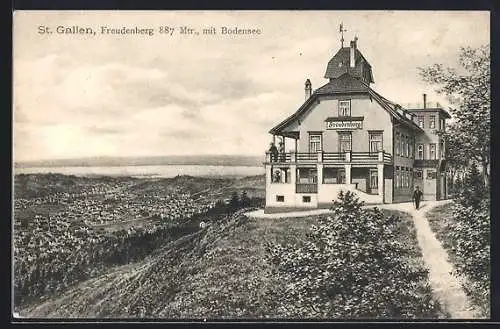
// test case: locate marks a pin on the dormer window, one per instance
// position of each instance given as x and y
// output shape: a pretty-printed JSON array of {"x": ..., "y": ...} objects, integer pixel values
[{"x": 345, "y": 108}]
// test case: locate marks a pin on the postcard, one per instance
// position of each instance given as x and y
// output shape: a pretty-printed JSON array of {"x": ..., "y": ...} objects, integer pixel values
[{"x": 251, "y": 165}]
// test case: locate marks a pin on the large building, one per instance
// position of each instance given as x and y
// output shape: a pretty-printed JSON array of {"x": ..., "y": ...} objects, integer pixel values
[{"x": 346, "y": 136}]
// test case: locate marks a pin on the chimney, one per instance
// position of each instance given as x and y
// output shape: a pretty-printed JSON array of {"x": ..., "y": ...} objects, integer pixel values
[
  {"x": 308, "y": 89},
  {"x": 425, "y": 101},
  {"x": 353, "y": 53}
]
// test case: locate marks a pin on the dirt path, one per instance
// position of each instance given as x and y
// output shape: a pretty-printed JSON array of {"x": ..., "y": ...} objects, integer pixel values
[{"x": 446, "y": 287}]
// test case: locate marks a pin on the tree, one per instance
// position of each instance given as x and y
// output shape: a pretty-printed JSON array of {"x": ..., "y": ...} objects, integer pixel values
[
  {"x": 468, "y": 89},
  {"x": 457, "y": 160},
  {"x": 244, "y": 199},
  {"x": 473, "y": 191},
  {"x": 234, "y": 202},
  {"x": 351, "y": 264}
]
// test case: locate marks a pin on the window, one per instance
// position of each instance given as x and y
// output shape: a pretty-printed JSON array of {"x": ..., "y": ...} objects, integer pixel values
[
  {"x": 432, "y": 151},
  {"x": 306, "y": 199},
  {"x": 403, "y": 145},
  {"x": 345, "y": 141},
  {"x": 432, "y": 121},
  {"x": 345, "y": 108},
  {"x": 307, "y": 175},
  {"x": 411, "y": 147},
  {"x": 397, "y": 143},
  {"x": 329, "y": 175},
  {"x": 407, "y": 148},
  {"x": 431, "y": 174},
  {"x": 441, "y": 149},
  {"x": 341, "y": 176},
  {"x": 397, "y": 177},
  {"x": 373, "y": 178},
  {"x": 280, "y": 175},
  {"x": 314, "y": 143},
  {"x": 420, "y": 120},
  {"x": 375, "y": 141},
  {"x": 418, "y": 174},
  {"x": 280, "y": 198},
  {"x": 420, "y": 151}
]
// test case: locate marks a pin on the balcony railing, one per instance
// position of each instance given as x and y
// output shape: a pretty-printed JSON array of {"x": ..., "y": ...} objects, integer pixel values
[
  {"x": 306, "y": 188},
  {"x": 330, "y": 157}
]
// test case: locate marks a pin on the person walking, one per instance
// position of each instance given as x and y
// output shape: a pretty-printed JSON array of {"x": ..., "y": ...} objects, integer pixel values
[
  {"x": 417, "y": 196},
  {"x": 273, "y": 150}
]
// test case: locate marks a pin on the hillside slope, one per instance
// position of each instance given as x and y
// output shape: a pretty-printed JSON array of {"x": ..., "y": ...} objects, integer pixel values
[{"x": 219, "y": 271}]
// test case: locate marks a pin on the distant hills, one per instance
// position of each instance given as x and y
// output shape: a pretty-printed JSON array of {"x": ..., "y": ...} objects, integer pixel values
[{"x": 208, "y": 160}]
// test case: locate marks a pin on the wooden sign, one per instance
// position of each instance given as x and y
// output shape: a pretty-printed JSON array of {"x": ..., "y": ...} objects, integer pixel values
[{"x": 337, "y": 125}]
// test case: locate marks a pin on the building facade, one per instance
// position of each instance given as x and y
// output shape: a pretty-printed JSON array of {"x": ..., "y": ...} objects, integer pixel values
[{"x": 346, "y": 136}]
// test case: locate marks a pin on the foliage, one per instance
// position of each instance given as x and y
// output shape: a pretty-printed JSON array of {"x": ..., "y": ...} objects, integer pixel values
[
  {"x": 472, "y": 191},
  {"x": 235, "y": 201},
  {"x": 469, "y": 92},
  {"x": 352, "y": 265},
  {"x": 51, "y": 255},
  {"x": 464, "y": 229}
]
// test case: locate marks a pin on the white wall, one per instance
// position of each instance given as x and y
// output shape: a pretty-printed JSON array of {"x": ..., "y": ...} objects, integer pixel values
[{"x": 375, "y": 118}]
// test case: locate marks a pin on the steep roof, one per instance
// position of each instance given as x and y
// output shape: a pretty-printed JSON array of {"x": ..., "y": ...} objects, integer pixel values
[
  {"x": 344, "y": 84},
  {"x": 347, "y": 84},
  {"x": 340, "y": 64}
]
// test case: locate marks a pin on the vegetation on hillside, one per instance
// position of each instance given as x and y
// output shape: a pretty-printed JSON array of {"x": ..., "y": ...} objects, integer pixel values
[
  {"x": 356, "y": 263},
  {"x": 464, "y": 229},
  {"x": 230, "y": 269},
  {"x": 53, "y": 253}
]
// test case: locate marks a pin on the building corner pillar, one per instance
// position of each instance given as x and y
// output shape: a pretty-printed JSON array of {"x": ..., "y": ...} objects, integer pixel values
[
  {"x": 380, "y": 176},
  {"x": 347, "y": 168},
  {"x": 319, "y": 168},
  {"x": 269, "y": 174},
  {"x": 293, "y": 174}
]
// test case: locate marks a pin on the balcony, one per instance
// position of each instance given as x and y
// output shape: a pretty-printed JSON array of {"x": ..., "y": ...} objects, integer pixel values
[{"x": 330, "y": 158}]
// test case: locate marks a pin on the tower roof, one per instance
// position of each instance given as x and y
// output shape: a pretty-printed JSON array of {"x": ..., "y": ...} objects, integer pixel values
[{"x": 340, "y": 64}]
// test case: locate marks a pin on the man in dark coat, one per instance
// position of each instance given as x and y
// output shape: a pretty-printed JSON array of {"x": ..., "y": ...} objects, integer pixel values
[
  {"x": 417, "y": 195},
  {"x": 274, "y": 152}
]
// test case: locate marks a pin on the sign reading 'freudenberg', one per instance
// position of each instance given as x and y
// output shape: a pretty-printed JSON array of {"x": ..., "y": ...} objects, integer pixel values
[{"x": 344, "y": 125}]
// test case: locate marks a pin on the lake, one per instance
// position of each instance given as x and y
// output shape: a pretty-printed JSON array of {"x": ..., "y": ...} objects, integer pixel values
[{"x": 163, "y": 171}]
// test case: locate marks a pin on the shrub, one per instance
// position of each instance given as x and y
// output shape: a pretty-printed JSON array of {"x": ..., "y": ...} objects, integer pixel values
[
  {"x": 351, "y": 266},
  {"x": 472, "y": 192},
  {"x": 470, "y": 240}
]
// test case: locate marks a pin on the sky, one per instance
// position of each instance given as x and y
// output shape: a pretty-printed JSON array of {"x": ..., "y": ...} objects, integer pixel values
[{"x": 140, "y": 95}]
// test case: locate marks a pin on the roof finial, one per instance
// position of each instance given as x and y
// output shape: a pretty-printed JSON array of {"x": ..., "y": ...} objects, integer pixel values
[{"x": 342, "y": 34}]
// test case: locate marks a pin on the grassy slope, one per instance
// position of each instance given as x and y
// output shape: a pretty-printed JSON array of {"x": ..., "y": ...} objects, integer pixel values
[
  {"x": 441, "y": 221},
  {"x": 219, "y": 272}
]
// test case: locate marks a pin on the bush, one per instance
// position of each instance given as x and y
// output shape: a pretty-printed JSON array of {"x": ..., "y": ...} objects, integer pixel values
[
  {"x": 470, "y": 240},
  {"x": 472, "y": 192},
  {"x": 351, "y": 266}
]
